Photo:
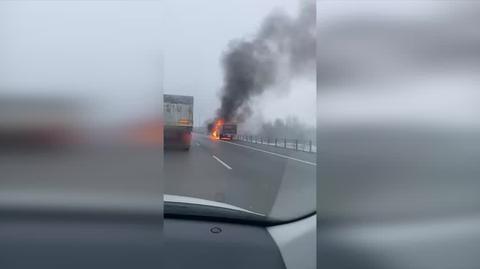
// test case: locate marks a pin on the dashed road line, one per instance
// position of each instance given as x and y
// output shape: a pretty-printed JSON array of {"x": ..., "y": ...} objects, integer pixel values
[{"x": 222, "y": 162}]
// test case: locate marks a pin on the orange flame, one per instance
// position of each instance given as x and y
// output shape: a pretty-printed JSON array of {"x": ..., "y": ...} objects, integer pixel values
[{"x": 216, "y": 129}]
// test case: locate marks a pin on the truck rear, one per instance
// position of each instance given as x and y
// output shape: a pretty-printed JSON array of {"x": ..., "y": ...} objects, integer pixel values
[
  {"x": 227, "y": 131},
  {"x": 178, "y": 120}
]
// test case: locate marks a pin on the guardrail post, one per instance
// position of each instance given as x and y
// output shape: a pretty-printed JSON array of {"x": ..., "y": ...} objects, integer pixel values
[{"x": 268, "y": 140}]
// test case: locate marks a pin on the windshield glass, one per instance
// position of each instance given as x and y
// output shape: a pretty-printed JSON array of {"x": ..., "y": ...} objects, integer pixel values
[
  {"x": 209, "y": 107},
  {"x": 250, "y": 140}
]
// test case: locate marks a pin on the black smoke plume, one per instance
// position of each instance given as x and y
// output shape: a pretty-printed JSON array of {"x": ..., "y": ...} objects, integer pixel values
[{"x": 252, "y": 66}]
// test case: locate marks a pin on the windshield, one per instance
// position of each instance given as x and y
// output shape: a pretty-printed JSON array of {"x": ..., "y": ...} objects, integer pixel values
[
  {"x": 251, "y": 138},
  {"x": 121, "y": 103}
]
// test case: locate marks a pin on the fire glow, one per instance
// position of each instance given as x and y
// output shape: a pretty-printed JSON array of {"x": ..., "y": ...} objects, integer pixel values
[{"x": 215, "y": 132}]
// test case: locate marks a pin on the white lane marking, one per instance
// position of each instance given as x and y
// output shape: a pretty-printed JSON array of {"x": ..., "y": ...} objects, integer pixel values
[
  {"x": 222, "y": 162},
  {"x": 269, "y": 152}
]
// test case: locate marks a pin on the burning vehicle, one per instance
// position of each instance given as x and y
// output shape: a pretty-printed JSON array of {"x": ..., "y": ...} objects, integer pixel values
[{"x": 222, "y": 130}]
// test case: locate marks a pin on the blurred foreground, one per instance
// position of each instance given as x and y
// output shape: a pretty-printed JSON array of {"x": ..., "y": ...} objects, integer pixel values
[{"x": 398, "y": 134}]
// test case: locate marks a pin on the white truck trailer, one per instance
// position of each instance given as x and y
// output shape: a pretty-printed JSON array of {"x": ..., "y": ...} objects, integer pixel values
[{"x": 178, "y": 121}]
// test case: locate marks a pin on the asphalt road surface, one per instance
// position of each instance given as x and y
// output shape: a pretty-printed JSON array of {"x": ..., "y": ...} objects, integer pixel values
[{"x": 254, "y": 177}]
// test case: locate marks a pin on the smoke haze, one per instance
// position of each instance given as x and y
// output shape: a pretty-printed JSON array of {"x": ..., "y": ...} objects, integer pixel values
[
  {"x": 291, "y": 127},
  {"x": 283, "y": 48}
]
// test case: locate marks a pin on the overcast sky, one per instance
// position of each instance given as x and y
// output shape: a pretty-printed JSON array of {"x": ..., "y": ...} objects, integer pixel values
[
  {"x": 389, "y": 62},
  {"x": 112, "y": 52}
]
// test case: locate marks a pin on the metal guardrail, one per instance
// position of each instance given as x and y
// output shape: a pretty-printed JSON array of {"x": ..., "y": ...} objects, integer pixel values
[{"x": 295, "y": 144}]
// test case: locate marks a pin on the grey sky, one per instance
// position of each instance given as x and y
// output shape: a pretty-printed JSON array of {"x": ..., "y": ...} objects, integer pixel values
[
  {"x": 422, "y": 59},
  {"x": 201, "y": 33},
  {"x": 111, "y": 51},
  {"x": 104, "y": 51}
]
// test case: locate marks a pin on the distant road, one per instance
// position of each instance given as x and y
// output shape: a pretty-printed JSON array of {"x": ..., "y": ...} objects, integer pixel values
[{"x": 239, "y": 173}]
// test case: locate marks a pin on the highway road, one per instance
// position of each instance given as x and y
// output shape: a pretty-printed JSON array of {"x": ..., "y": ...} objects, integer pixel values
[
  {"x": 254, "y": 177},
  {"x": 251, "y": 176}
]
